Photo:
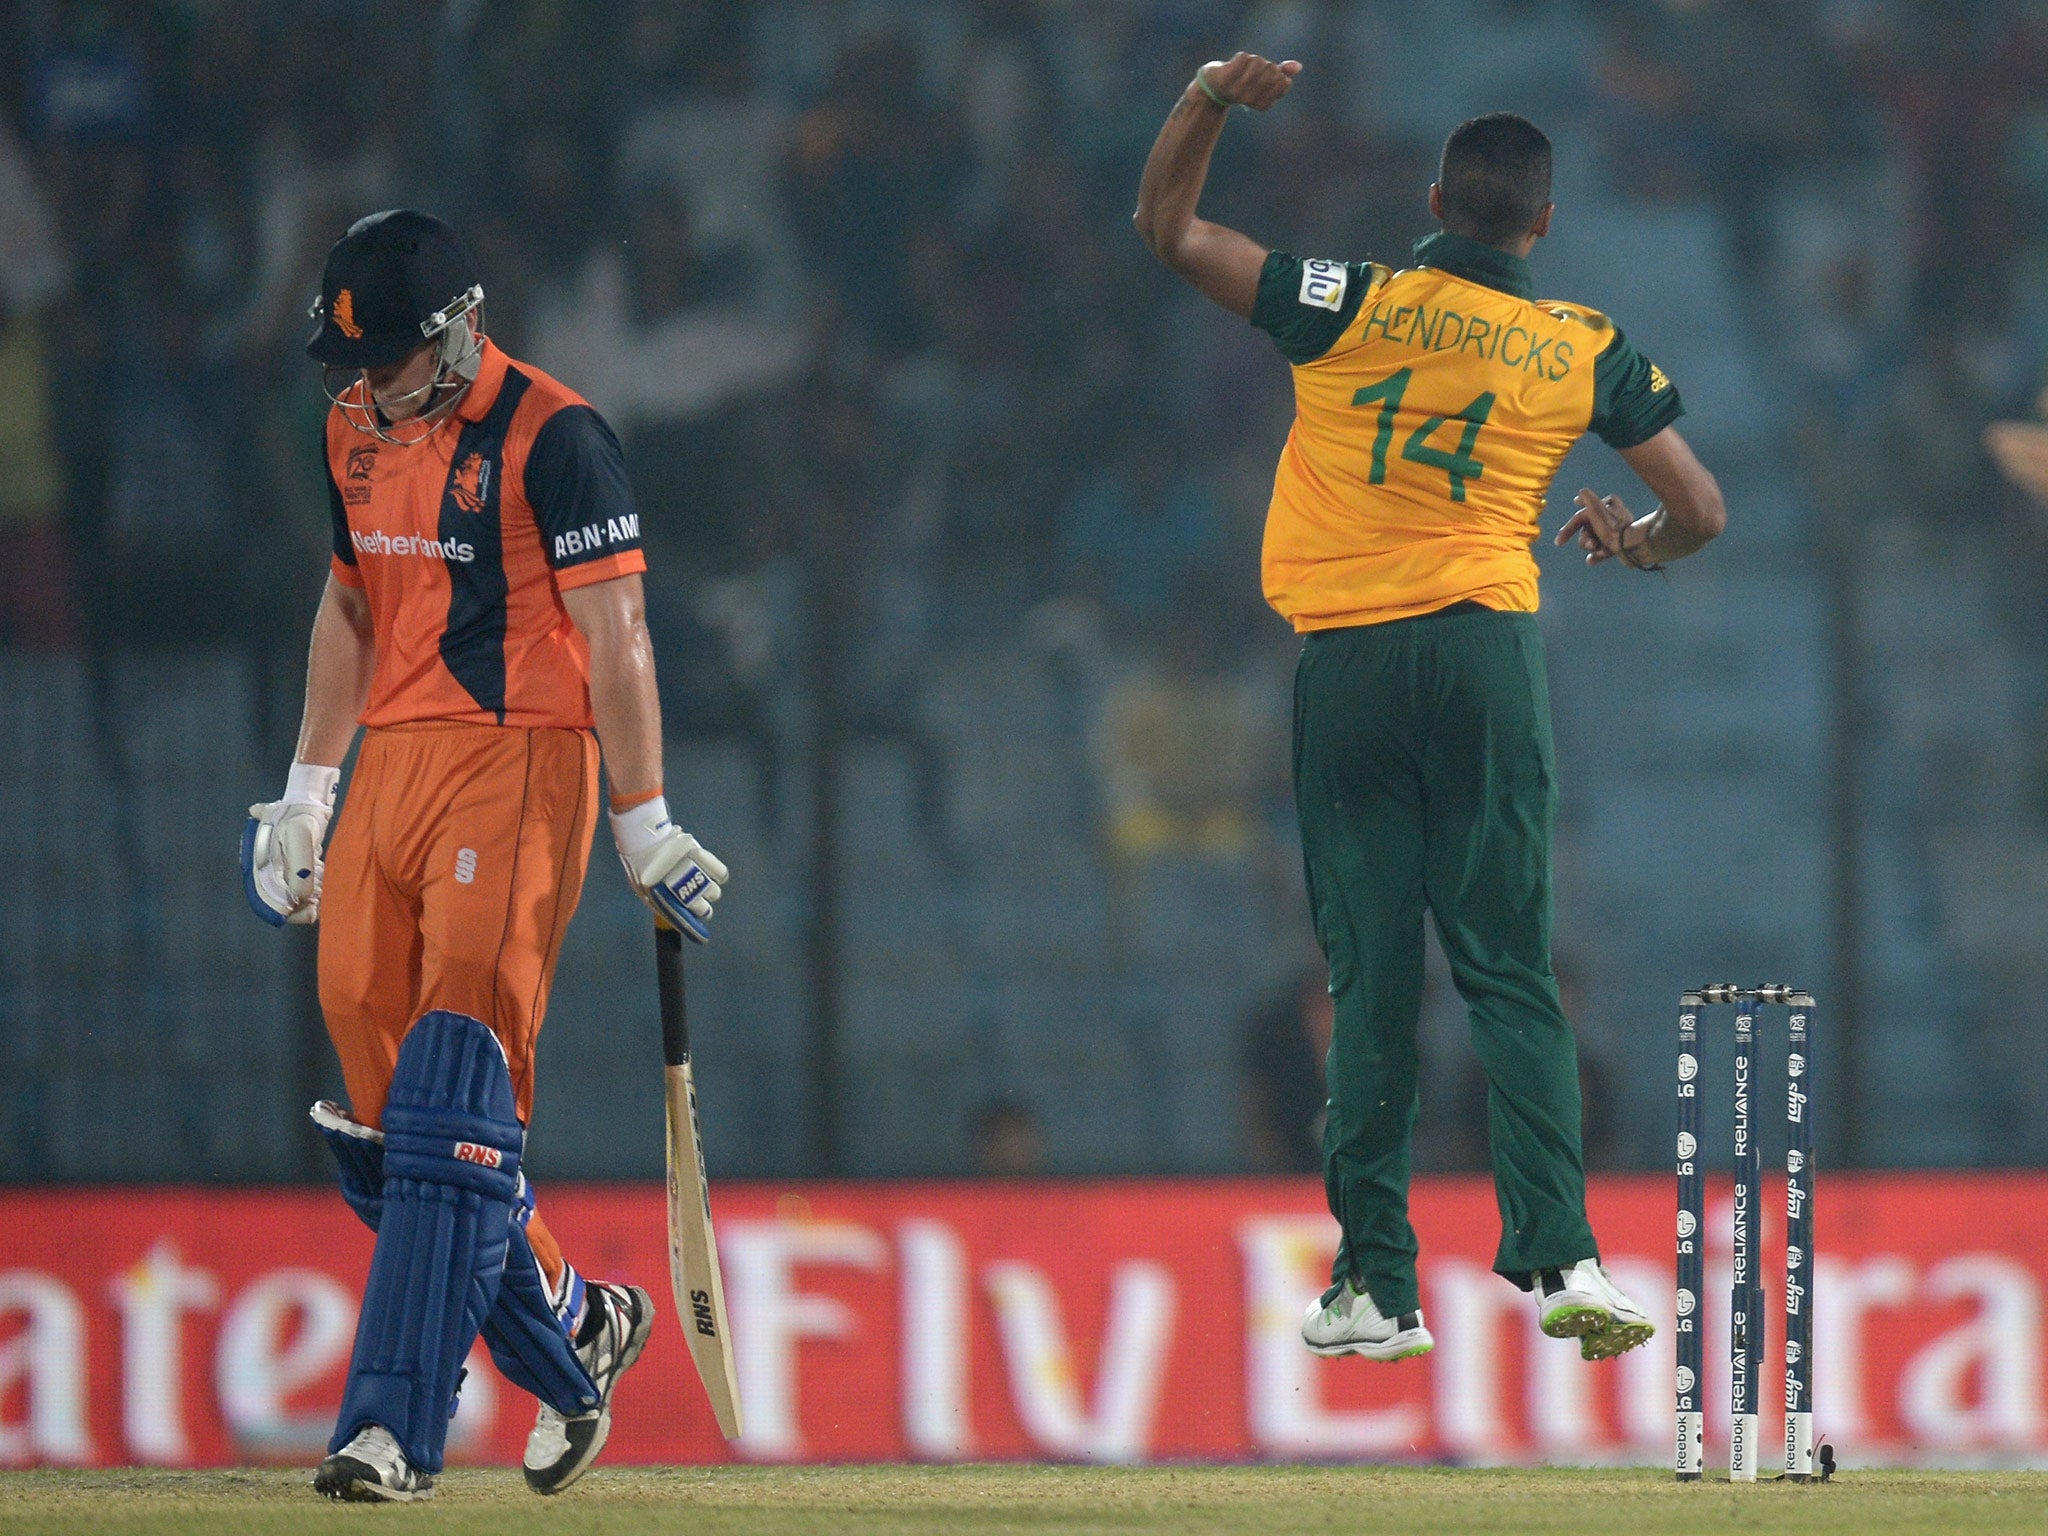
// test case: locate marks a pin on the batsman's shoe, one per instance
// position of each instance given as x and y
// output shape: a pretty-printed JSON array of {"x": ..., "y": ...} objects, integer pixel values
[
  {"x": 614, "y": 1331},
  {"x": 1346, "y": 1322},
  {"x": 371, "y": 1469},
  {"x": 1584, "y": 1303}
]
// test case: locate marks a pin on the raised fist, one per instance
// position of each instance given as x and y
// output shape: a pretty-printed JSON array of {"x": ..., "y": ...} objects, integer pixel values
[{"x": 1246, "y": 80}]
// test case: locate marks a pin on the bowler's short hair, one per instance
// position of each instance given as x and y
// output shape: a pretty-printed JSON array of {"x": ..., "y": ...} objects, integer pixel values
[{"x": 1494, "y": 178}]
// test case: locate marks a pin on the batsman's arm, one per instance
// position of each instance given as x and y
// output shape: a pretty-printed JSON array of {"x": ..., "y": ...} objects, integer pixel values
[
  {"x": 339, "y": 665},
  {"x": 613, "y": 618},
  {"x": 1218, "y": 260},
  {"x": 283, "y": 838},
  {"x": 669, "y": 869}
]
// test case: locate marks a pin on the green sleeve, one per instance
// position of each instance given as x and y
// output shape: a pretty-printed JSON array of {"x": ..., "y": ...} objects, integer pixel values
[
  {"x": 1304, "y": 305},
  {"x": 1632, "y": 399}
]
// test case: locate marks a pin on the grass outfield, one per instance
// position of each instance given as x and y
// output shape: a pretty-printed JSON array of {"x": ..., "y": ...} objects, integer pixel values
[{"x": 825, "y": 1501}]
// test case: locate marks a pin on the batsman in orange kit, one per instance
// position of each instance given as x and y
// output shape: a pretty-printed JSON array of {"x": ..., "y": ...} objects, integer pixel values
[{"x": 484, "y": 623}]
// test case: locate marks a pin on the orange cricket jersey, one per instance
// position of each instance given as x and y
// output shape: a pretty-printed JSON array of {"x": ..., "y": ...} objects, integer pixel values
[{"x": 465, "y": 542}]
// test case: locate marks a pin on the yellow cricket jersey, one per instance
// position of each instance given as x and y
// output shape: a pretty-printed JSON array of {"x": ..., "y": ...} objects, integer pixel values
[{"x": 1432, "y": 409}]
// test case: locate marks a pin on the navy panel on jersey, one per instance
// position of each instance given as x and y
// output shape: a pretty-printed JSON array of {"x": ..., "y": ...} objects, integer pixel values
[
  {"x": 576, "y": 484},
  {"x": 473, "y": 645}
]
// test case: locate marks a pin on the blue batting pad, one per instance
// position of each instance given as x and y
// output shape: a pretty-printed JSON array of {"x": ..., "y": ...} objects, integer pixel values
[
  {"x": 359, "y": 1156},
  {"x": 529, "y": 1339},
  {"x": 527, "y": 1333},
  {"x": 452, "y": 1140}
]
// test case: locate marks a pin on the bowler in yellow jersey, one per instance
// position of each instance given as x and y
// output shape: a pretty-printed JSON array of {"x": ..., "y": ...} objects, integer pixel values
[{"x": 1433, "y": 406}]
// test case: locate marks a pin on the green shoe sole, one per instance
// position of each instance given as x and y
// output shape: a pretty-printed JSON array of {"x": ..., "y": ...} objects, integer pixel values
[
  {"x": 1617, "y": 1339},
  {"x": 1370, "y": 1352},
  {"x": 1575, "y": 1322}
]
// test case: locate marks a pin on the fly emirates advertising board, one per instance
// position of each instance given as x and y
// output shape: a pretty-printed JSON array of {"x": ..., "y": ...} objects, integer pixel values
[{"x": 1126, "y": 1321}]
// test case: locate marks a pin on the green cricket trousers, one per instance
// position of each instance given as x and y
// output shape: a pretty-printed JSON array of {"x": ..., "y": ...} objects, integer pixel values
[{"x": 1425, "y": 779}]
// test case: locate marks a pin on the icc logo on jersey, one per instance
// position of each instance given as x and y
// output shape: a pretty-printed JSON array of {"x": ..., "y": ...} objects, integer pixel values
[{"x": 361, "y": 461}]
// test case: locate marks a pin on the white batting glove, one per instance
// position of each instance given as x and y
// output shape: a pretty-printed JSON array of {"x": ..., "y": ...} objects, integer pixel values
[
  {"x": 281, "y": 847},
  {"x": 668, "y": 869}
]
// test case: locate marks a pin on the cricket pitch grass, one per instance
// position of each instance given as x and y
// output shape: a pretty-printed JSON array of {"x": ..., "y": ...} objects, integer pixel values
[{"x": 826, "y": 1501}]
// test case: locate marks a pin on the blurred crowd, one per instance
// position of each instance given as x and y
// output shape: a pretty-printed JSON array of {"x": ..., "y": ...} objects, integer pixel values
[
  {"x": 864, "y": 267},
  {"x": 1881, "y": 172},
  {"x": 854, "y": 283}
]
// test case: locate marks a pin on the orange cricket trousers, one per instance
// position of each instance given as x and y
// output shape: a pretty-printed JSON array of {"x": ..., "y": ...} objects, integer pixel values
[{"x": 454, "y": 869}]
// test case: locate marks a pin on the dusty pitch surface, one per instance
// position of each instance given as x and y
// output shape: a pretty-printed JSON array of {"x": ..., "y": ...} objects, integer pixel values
[{"x": 830, "y": 1500}]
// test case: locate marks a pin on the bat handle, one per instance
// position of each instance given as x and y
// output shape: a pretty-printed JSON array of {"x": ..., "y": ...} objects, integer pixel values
[{"x": 675, "y": 1013}]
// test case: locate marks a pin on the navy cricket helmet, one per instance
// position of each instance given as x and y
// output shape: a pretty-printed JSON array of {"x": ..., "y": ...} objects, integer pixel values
[{"x": 394, "y": 282}]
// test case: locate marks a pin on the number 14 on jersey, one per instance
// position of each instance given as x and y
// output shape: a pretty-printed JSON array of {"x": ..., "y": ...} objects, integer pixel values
[{"x": 1458, "y": 462}]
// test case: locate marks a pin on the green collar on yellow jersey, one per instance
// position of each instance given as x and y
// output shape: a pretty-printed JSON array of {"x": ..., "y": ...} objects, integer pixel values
[{"x": 1476, "y": 262}]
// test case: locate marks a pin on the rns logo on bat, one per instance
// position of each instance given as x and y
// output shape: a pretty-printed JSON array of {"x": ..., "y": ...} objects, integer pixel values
[{"x": 700, "y": 1309}]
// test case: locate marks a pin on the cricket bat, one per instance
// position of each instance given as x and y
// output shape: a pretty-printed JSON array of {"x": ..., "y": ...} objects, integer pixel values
[{"x": 692, "y": 1248}]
